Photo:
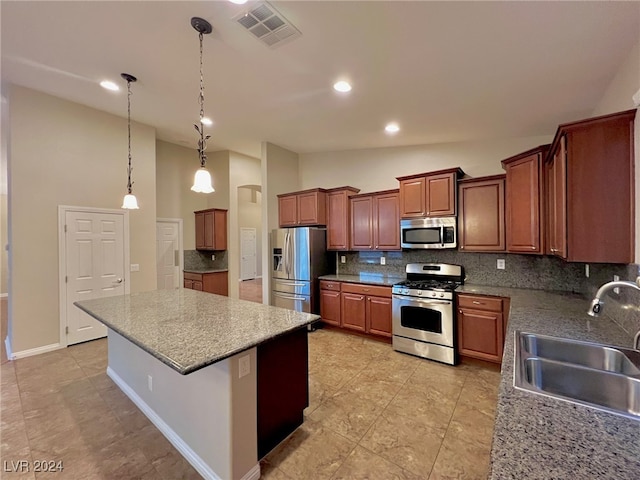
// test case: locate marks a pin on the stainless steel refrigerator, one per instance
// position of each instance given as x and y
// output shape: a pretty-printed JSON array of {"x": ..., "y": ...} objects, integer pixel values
[{"x": 299, "y": 257}]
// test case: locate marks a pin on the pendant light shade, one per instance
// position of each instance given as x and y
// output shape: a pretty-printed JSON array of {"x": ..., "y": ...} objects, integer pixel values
[
  {"x": 202, "y": 179},
  {"x": 130, "y": 201}
]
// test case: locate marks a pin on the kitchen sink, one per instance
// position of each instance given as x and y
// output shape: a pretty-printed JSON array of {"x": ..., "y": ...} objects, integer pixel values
[
  {"x": 592, "y": 355},
  {"x": 592, "y": 374}
]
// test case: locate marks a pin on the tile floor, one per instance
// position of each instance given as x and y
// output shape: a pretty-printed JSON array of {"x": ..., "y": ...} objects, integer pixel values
[
  {"x": 373, "y": 414},
  {"x": 251, "y": 290}
]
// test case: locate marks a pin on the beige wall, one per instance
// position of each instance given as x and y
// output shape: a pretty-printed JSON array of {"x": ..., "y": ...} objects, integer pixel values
[
  {"x": 175, "y": 167},
  {"x": 279, "y": 175},
  {"x": 243, "y": 170},
  {"x": 62, "y": 153},
  {"x": 377, "y": 168}
]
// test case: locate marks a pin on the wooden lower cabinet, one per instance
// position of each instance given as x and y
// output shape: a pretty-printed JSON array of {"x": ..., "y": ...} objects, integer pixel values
[
  {"x": 481, "y": 327},
  {"x": 214, "y": 282},
  {"x": 354, "y": 306}
]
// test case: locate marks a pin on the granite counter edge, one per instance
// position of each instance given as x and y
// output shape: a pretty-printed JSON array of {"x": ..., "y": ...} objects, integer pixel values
[{"x": 187, "y": 369}]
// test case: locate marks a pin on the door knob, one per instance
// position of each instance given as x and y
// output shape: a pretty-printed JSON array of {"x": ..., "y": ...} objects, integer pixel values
[{"x": 119, "y": 280}]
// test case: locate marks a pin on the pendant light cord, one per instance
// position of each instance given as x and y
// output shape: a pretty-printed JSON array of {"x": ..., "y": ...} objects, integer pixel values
[
  {"x": 202, "y": 143},
  {"x": 129, "y": 169}
]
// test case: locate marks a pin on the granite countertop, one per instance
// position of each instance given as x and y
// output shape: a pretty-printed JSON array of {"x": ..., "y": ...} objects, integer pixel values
[
  {"x": 188, "y": 329},
  {"x": 368, "y": 278},
  {"x": 206, "y": 270},
  {"x": 539, "y": 437}
]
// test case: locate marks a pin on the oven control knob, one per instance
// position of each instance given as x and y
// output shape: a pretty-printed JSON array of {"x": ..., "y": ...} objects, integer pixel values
[
  {"x": 433, "y": 294},
  {"x": 419, "y": 293},
  {"x": 442, "y": 294},
  {"x": 405, "y": 291}
]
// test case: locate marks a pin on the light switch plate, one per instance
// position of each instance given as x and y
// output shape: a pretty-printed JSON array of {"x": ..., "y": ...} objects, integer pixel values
[
  {"x": 383, "y": 261},
  {"x": 244, "y": 366},
  {"x": 616, "y": 290},
  {"x": 343, "y": 259},
  {"x": 135, "y": 267},
  {"x": 500, "y": 264}
]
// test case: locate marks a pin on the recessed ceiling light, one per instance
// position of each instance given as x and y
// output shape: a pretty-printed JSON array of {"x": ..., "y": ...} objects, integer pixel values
[
  {"x": 238, "y": 2},
  {"x": 207, "y": 121},
  {"x": 342, "y": 86},
  {"x": 109, "y": 85},
  {"x": 392, "y": 128}
]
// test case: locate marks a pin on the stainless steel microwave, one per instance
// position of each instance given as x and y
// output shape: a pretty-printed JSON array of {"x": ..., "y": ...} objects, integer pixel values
[{"x": 438, "y": 232}]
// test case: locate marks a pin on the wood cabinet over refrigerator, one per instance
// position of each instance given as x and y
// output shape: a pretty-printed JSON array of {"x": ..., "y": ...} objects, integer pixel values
[
  {"x": 303, "y": 208},
  {"x": 429, "y": 194},
  {"x": 339, "y": 217},
  {"x": 481, "y": 214},
  {"x": 525, "y": 193},
  {"x": 375, "y": 221},
  {"x": 211, "y": 229},
  {"x": 590, "y": 190}
]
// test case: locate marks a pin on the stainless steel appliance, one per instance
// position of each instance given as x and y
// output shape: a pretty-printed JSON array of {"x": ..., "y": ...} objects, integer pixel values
[
  {"x": 299, "y": 256},
  {"x": 438, "y": 232},
  {"x": 423, "y": 311}
]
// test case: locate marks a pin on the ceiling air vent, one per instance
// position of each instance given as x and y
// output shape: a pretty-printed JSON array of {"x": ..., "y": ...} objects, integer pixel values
[{"x": 267, "y": 24}]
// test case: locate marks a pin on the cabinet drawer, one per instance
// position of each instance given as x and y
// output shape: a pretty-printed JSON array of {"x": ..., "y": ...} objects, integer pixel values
[
  {"x": 330, "y": 285},
  {"x": 193, "y": 276},
  {"x": 480, "y": 302},
  {"x": 366, "y": 289}
]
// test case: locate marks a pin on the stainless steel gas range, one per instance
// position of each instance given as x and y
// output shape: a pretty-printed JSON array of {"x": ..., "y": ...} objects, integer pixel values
[{"x": 423, "y": 311}]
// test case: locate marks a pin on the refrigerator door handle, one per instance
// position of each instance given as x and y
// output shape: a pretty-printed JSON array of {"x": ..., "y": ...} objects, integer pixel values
[
  {"x": 289, "y": 297},
  {"x": 285, "y": 253}
]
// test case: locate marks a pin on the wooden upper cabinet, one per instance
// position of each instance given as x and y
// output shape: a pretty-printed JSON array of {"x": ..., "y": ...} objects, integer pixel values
[
  {"x": 481, "y": 215},
  {"x": 361, "y": 235},
  {"x": 386, "y": 221},
  {"x": 307, "y": 207},
  {"x": 429, "y": 194},
  {"x": 593, "y": 171},
  {"x": 375, "y": 221},
  {"x": 211, "y": 229},
  {"x": 525, "y": 208},
  {"x": 338, "y": 217}
]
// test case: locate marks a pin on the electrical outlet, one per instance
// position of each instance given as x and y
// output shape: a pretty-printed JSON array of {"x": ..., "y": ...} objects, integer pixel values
[
  {"x": 244, "y": 366},
  {"x": 343, "y": 259},
  {"x": 383, "y": 261},
  {"x": 135, "y": 267},
  {"x": 150, "y": 382},
  {"x": 500, "y": 264},
  {"x": 586, "y": 270},
  {"x": 213, "y": 257},
  {"x": 616, "y": 290}
]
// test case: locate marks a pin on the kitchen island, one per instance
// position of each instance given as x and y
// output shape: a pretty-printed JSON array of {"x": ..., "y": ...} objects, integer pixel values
[
  {"x": 224, "y": 380},
  {"x": 540, "y": 437}
]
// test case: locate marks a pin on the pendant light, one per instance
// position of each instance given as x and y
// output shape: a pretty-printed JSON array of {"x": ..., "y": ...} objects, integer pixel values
[
  {"x": 202, "y": 179},
  {"x": 130, "y": 202}
]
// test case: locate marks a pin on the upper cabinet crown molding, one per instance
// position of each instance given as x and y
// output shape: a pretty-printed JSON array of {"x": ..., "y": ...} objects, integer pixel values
[
  {"x": 431, "y": 194},
  {"x": 590, "y": 194}
]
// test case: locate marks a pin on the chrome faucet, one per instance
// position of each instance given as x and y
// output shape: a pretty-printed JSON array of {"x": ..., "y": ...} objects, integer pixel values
[{"x": 597, "y": 303}]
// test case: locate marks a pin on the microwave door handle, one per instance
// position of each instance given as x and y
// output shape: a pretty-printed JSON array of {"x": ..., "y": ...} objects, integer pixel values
[{"x": 442, "y": 235}]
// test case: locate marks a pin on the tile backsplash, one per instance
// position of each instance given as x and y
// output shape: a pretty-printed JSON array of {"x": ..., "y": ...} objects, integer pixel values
[
  {"x": 198, "y": 260},
  {"x": 521, "y": 271}
]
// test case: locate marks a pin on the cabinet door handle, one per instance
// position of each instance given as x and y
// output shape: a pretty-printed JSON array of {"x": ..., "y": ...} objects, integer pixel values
[
  {"x": 475, "y": 302},
  {"x": 366, "y": 289},
  {"x": 361, "y": 298}
]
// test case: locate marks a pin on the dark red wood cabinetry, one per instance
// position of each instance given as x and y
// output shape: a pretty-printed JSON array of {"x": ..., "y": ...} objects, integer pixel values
[
  {"x": 304, "y": 208},
  {"x": 375, "y": 221},
  {"x": 211, "y": 229},
  {"x": 481, "y": 215},
  {"x": 429, "y": 194},
  {"x": 339, "y": 217}
]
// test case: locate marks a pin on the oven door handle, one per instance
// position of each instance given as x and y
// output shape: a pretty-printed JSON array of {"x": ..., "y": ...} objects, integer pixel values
[{"x": 423, "y": 302}]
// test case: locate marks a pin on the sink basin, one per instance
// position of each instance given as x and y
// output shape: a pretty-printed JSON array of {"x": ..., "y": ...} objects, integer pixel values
[
  {"x": 599, "y": 376},
  {"x": 592, "y": 355}
]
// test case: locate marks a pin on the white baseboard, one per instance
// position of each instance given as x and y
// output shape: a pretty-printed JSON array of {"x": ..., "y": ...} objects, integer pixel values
[
  {"x": 7, "y": 347},
  {"x": 187, "y": 452},
  {"x": 4, "y": 295},
  {"x": 35, "y": 351}
]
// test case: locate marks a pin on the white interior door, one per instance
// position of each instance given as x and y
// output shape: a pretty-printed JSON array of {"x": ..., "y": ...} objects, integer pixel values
[
  {"x": 168, "y": 254},
  {"x": 247, "y": 253},
  {"x": 95, "y": 267}
]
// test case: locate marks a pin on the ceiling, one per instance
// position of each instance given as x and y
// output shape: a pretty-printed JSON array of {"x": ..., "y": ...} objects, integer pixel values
[{"x": 445, "y": 71}]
